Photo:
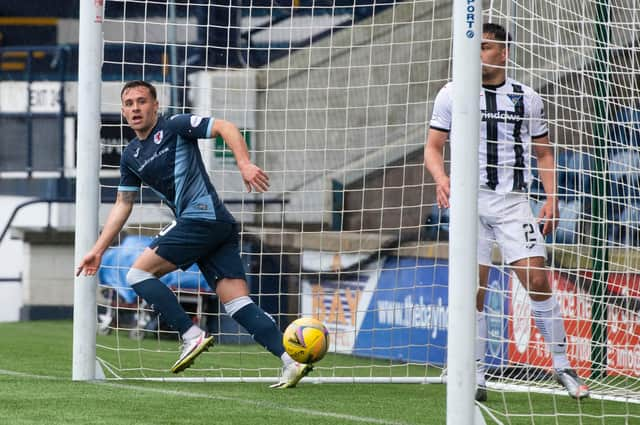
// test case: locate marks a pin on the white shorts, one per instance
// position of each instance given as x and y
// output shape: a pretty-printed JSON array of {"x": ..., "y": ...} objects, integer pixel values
[{"x": 507, "y": 220}]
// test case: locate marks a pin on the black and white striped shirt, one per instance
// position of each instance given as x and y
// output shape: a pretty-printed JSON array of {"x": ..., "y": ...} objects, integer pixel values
[{"x": 512, "y": 114}]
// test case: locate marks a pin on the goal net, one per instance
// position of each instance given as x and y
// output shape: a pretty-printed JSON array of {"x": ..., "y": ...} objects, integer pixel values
[
  {"x": 334, "y": 100},
  {"x": 581, "y": 57}
]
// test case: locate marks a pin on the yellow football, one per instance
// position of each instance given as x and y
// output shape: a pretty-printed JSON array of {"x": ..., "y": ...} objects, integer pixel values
[{"x": 306, "y": 340}]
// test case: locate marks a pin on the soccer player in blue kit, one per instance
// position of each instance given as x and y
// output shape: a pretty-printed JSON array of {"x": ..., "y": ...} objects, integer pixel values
[{"x": 165, "y": 156}]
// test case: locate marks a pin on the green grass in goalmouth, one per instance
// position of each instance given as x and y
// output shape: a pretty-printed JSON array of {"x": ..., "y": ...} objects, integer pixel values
[{"x": 36, "y": 388}]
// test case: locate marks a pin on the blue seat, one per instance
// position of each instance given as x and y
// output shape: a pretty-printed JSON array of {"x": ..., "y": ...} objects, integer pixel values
[
  {"x": 629, "y": 225},
  {"x": 624, "y": 167},
  {"x": 625, "y": 130},
  {"x": 436, "y": 226},
  {"x": 572, "y": 174},
  {"x": 623, "y": 191},
  {"x": 117, "y": 261},
  {"x": 567, "y": 230}
]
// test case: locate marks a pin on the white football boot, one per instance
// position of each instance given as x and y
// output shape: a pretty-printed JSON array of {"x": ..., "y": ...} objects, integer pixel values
[
  {"x": 569, "y": 379},
  {"x": 192, "y": 348},
  {"x": 292, "y": 374}
]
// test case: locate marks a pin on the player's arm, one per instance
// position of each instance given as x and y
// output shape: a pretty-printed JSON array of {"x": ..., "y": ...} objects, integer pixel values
[
  {"x": 118, "y": 216},
  {"x": 547, "y": 172},
  {"x": 253, "y": 176},
  {"x": 434, "y": 162}
]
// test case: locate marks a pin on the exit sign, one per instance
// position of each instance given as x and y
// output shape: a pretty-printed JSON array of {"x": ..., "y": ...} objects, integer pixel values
[{"x": 221, "y": 150}]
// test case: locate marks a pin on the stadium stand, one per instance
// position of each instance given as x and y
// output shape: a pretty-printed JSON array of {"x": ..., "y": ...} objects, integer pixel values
[{"x": 41, "y": 44}]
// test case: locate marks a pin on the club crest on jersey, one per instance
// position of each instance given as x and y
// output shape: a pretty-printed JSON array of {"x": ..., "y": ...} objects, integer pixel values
[
  {"x": 515, "y": 98},
  {"x": 195, "y": 120},
  {"x": 157, "y": 138}
]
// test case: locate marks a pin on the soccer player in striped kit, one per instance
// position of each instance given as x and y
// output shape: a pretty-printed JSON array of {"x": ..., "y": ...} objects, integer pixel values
[{"x": 513, "y": 125}]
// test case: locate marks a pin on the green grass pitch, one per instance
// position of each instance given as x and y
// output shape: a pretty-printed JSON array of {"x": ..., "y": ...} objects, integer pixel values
[{"x": 35, "y": 388}]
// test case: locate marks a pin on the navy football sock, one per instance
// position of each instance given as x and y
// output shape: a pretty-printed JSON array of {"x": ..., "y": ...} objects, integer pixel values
[
  {"x": 165, "y": 302},
  {"x": 261, "y": 327}
]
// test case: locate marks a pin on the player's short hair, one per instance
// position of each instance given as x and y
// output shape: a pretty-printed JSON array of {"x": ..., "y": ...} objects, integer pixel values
[
  {"x": 498, "y": 32},
  {"x": 140, "y": 83}
]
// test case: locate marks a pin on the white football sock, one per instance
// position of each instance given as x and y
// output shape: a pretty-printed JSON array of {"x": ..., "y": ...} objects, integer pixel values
[
  {"x": 193, "y": 332},
  {"x": 549, "y": 321},
  {"x": 286, "y": 359}
]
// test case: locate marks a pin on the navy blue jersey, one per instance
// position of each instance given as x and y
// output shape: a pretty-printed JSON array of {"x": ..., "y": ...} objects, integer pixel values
[{"x": 169, "y": 162}]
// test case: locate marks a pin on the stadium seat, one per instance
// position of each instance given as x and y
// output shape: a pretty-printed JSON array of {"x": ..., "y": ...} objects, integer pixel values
[
  {"x": 624, "y": 131},
  {"x": 436, "y": 225},
  {"x": 263, "y": 272},
  {"x": 117, "y": 261},
  {"x": 570, "y": 212}
]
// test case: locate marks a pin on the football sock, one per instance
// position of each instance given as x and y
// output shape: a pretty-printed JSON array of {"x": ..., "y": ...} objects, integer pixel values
[
  {"x": 193, "y": 332},
  {"x": 260, "y": 326},
  {"x": 164, "y": 302},
  {"x": 286, "y": 359},
  {"x": 481, "y": 347},
  {"x": 548, "y": 318}
]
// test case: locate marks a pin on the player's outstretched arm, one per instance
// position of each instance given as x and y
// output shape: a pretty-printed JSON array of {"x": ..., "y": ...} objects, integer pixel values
[
  {"x": 434, "y": 162},
  {"x": 254, "y": 177},
  {"x": 547, "y": 172},
  {"x": 116, "y": 220}
]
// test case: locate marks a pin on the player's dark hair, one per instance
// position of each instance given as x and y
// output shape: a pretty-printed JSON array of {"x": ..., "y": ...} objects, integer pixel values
[
  {"x": 498, "y": 32},
  {"x": 140, "y": 83}
]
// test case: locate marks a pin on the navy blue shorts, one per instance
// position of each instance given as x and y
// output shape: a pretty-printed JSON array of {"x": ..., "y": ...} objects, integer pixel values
[{"x": 213, "y": 245}]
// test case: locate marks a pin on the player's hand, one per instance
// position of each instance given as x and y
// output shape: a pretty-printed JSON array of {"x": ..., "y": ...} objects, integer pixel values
[
  {"x": 254, "y": 178},
  {"x": 548, "y": 215},
  {"x": 89, "y": 264},
  {"x": 443, "y": 190}
]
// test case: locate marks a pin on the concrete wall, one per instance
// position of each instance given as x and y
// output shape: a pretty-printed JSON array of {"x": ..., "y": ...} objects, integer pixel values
[
  {"x": 10, "y": 301},
  {"x": 351, "y": 103},
  {"x": 38, "y": 255},
  {"x": 48, "y": 268}
]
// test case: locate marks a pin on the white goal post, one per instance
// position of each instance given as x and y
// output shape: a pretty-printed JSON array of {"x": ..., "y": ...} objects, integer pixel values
[
  {"x": 463, "y": 271},
  {"x": 87, "y": 184},
  {"x": 334, "y": 100}
]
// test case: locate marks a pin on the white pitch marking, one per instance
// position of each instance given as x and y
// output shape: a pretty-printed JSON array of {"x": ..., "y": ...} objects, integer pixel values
[{"x": 262, "y": 404}]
